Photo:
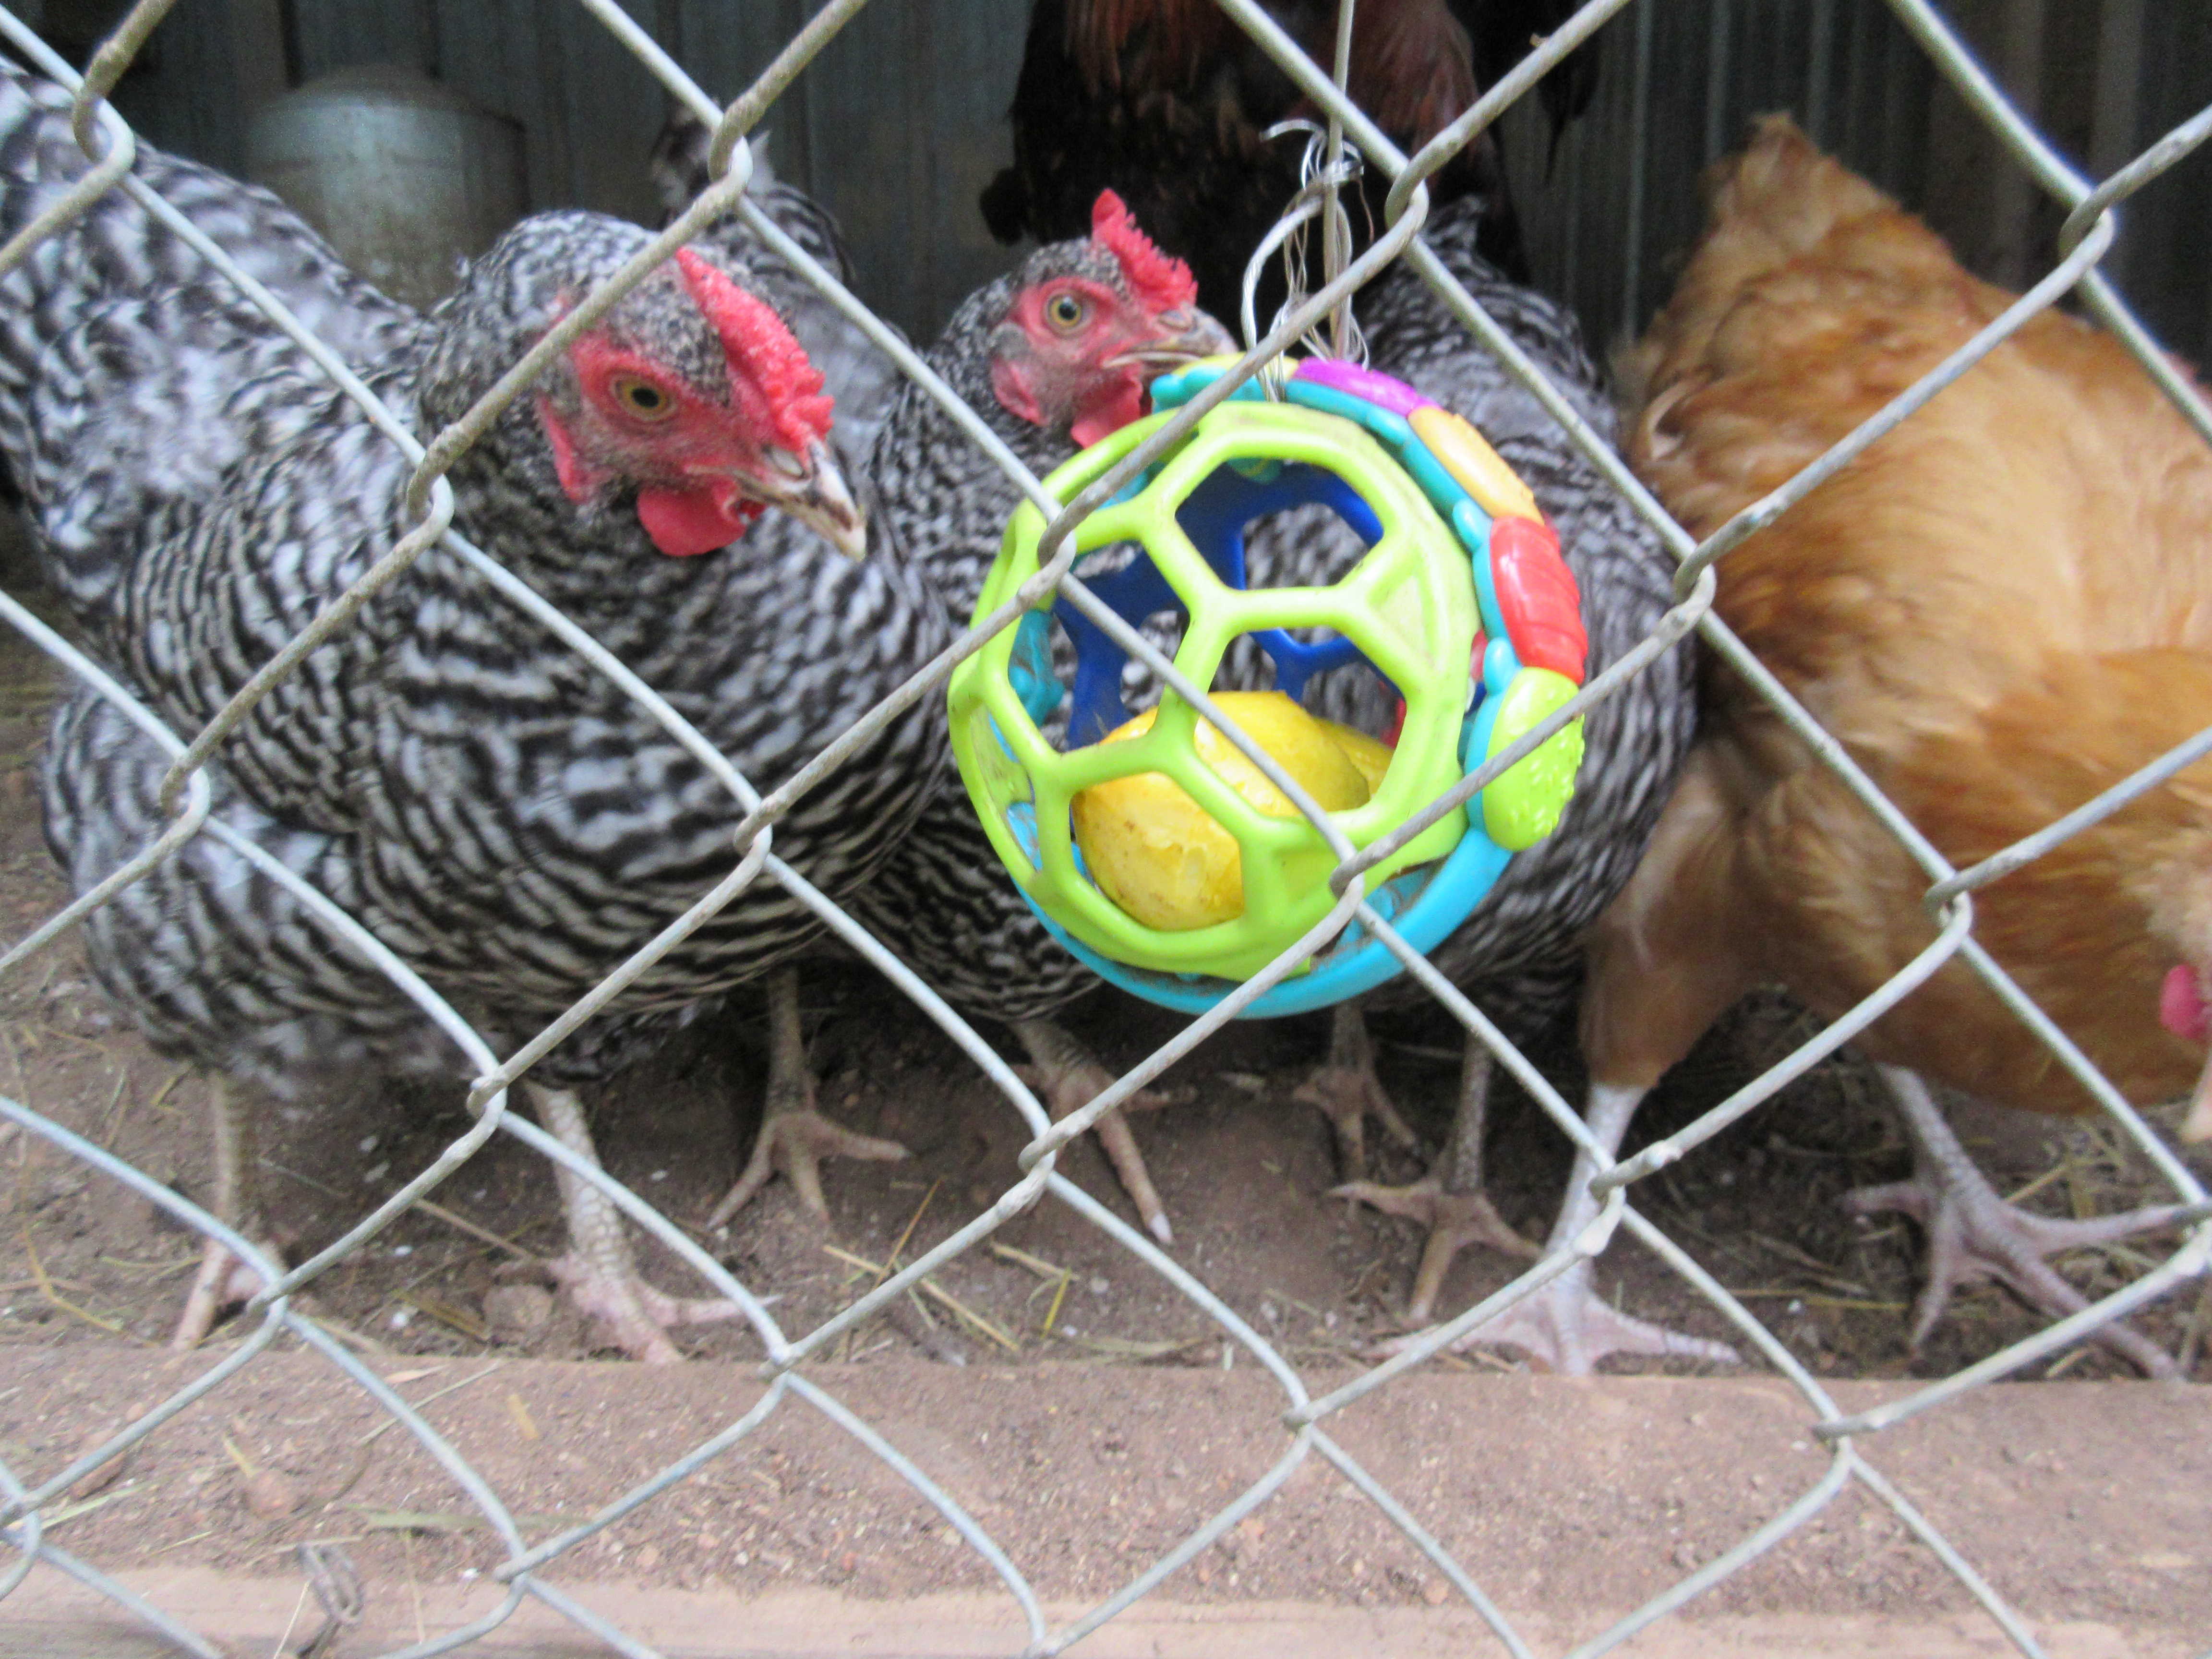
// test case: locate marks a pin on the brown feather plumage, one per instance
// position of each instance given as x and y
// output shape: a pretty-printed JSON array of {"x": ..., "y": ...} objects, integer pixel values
[{"x": 2002, "y": 608}]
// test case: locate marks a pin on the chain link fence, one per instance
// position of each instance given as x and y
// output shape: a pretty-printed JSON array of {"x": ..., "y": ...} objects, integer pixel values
[{"x": 1852, "y": 1442}]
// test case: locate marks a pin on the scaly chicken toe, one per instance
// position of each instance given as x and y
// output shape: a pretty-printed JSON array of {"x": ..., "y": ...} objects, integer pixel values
[
  {"x": 1972, "y": 1233},
  {"x": 599, "y": 1272},
  {"x": 794, "y": 1137},
  {"x": 1070, "y": 1077},
  {"x": 1345, "y": 1090},
  {"x": 1456, "y": 1221},
  {"x": 1567, "y": 1327},
  {"x": 1449, "y": 1201}
]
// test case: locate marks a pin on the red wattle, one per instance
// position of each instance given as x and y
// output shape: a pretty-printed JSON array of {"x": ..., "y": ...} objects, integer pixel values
[
  {"x": 1108, "y": 415},
  {"x": 685, "y": 522},
  {"x": 2181, "y": 1007}
]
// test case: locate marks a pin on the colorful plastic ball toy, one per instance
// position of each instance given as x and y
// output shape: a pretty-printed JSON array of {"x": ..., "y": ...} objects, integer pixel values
[{"x": 1461, "y": 602}]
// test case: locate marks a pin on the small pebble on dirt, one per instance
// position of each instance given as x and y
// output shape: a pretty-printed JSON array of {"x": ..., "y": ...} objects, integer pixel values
[
  {"x": 270, "y": 1495},
  {"x": 101, "y": 1478},
  {"x": 514, "y": 1311}
]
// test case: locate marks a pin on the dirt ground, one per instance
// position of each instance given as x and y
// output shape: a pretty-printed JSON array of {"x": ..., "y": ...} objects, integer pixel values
[
  {"x": 2081, "y": 1502},
  {"x": 1245, "y": 1172}
]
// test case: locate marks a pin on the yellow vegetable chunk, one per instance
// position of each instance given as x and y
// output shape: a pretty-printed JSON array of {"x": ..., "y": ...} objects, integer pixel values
[{"x": 1164, "y": 858}]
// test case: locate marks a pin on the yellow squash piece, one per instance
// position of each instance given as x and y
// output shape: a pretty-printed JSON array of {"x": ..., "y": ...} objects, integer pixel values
[{"x": 1162, "y": 857}]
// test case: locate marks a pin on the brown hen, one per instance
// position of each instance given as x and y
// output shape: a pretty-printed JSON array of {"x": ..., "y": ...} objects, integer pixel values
[{"x": 2000, "y": 609}]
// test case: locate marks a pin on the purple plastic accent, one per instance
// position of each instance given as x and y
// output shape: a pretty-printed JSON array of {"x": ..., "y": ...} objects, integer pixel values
[{"x": 1381, "y": 389}]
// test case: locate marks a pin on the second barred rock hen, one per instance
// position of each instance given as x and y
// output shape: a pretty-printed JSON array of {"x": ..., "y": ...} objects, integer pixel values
[
  {"x": 1054, "y": 356},
  {"x": 1167, "y": 102},
  {"x": 510, "y": 824},
  {"x": 2001, "y": 609}
]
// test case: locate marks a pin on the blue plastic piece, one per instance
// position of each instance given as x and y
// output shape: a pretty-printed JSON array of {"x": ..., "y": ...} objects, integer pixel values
[
  {"x": 1472, "y": 525},
  {"x": 1034, "y": 682},
  {"x": 1394, "y": 430},
  {"x": 1171, "y": 391},
  {"x": 1214, "y": 516}
]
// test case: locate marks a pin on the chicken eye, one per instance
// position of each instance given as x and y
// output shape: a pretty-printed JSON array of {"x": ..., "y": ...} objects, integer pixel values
[
  {"x": 642, "y": 399},
  {"x": 1065, "y": 312}
]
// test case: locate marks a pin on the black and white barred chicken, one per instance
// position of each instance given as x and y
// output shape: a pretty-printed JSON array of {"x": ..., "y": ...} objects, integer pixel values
[
  {"x": 1054, "y": 355},
  {"x": 508, "y": 822},
  {"x": 1518, "y": 955}
]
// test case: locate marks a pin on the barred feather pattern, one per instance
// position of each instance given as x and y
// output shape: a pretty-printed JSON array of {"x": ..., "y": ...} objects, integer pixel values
[
  {"x": 944, "y": 900},
  {"x": 160, "y": 444},
  {"x": 511, "y": 824},
  {"x": 855, "y": 373}
]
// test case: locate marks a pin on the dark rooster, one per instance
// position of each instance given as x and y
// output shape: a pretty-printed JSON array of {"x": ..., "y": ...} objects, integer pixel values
[
  {"x": 1167, "y": 102},
  {"x": 510, "y": 824},
  {"x": 1054, "y": 356}
]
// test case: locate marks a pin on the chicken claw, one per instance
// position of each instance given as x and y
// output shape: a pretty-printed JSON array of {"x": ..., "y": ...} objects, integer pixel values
[
  {"x": 1070, "y": 1077},
  {"x": 1450, "y": 1199},
  {"x": 794, "y": 1137},
  {"x": 1972, "y": 1233},
  {"x": 634, "y": 1315},
  {"x": 1345, "y": 1088},
  {"x": 1454, "y": 1221},
  {"x": 1567, "y": 1327},
  {"x": 223, "y": 1281}
]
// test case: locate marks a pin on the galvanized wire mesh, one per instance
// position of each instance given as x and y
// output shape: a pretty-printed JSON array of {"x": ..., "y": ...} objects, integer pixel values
[{"x": 1852, "y": 1440}]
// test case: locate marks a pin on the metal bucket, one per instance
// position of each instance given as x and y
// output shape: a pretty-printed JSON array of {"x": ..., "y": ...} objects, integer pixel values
[{"x": 403, "y": 176}]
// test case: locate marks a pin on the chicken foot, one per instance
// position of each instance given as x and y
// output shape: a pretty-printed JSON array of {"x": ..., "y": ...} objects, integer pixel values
[
  {"x": 223, "y": 1280},
  {"x": 1449, "y": 1201},
  {"x": 794, "y": 1137},
  {"x": 1071, "y": 1076},
  {"x": 1566, "y": 1327},
  {"x": 599, "y": 1272},
  {"x": 1972, "y": 1233},
  {"x": 1346, "y": 1089}
]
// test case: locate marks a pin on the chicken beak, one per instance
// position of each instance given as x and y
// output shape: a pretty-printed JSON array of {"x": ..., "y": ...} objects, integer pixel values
[
  {"x": 1182, "y": 336},
  {"x": 814, "y": 492}
]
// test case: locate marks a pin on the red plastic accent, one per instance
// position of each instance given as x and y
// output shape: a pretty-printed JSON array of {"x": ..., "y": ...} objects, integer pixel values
[{"x": 1537, "y": 593}]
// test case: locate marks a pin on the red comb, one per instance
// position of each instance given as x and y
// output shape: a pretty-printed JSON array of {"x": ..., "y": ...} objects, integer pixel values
[
  {"x": 761, "y": 349},
  {"x": 1162, "y": 283}
]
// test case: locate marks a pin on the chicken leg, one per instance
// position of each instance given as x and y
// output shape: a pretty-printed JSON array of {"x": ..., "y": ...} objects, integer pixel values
[
  {"x": 794, "y": 1137},
  {"x": 1071, "y": 1076},
  {"x": 1449, "y": 1201},
  {"x": 599, "y": 1272},
  {"x": 1974, "y": 1234},
  {"x": 223, "y": 1280},
  {"x": 1566, "y": 1327},
  {"x": 1346, "y": 1090}
]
